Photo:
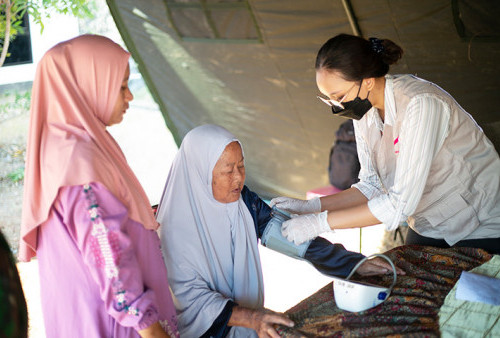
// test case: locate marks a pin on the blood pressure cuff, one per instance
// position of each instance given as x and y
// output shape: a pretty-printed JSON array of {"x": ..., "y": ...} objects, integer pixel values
[
  {"x": 273, "y": 239},
  {"x": 328, "y": 258}
]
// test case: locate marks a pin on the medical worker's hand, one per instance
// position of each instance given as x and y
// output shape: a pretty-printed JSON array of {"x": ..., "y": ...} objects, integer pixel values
[
  {"x": 297, "y": 206},
  {"x": 300, "y": 229}
]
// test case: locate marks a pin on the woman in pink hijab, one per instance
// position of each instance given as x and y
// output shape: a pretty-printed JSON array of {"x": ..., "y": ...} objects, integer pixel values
[{"x": 85, "y": 215}]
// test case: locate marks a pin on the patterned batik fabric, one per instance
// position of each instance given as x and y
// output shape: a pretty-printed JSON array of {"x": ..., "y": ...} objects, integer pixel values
[{"x": 411, "y": 309}]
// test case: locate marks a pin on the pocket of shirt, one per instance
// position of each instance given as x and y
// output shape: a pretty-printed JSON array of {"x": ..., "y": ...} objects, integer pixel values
[{"x": 455, "y": 213}]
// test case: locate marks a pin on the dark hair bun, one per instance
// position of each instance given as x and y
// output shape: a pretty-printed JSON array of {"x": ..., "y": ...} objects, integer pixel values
[
  {"x": 391, "y": 52},
  {"x": 357, "y": 58}
]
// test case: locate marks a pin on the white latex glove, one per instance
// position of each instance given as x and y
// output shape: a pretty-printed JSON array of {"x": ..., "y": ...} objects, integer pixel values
[
  {"x": 302, "y": 228},
  {"x": 296, "y": 206}
]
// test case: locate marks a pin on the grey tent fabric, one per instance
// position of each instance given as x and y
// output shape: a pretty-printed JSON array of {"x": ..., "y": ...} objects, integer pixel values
[{"x": 249, "y": 66}]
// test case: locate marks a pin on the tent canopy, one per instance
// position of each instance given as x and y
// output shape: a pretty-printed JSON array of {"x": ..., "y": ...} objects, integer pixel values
[{"x": 248, "y": 65}]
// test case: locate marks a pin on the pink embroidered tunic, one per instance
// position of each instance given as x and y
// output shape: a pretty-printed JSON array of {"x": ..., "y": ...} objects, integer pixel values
[{"x": 101, "y": 273}]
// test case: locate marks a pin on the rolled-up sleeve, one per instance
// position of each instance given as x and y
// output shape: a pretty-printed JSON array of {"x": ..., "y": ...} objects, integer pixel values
[
  {"x": 369, "y": 183},
  {"x": 421, "y": 136}
]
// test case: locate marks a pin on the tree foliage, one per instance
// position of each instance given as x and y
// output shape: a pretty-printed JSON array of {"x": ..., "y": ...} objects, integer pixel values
[{"x": 13, "y": 11}]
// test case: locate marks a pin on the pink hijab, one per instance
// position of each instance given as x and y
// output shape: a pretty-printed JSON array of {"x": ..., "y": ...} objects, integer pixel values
[{"x": 75, "y": 89}]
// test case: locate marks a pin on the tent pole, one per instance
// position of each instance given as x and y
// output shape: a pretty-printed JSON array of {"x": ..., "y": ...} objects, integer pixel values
[{"x": 352, "y": 18}]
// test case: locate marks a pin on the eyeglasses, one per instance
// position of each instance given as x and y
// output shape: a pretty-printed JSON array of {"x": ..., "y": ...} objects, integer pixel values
[{"x": 336, "y": 105}]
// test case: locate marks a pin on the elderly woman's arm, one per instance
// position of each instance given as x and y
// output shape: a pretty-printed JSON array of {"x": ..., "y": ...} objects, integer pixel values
[
  {"x": 328, "y": 258},
  {"x": 260, "y": 320},
  {"x": 220, "y": 326}
]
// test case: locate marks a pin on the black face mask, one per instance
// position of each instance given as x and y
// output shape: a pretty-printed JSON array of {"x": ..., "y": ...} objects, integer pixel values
[{"x": 354, "y": 109}]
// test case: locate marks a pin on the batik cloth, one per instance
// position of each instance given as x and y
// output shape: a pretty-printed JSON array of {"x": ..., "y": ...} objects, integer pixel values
[{"x": 412, "y": 308}]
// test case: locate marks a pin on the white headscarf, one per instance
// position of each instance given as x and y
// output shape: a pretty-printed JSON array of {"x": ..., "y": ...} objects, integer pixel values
[{"x": 210, "y": 248}]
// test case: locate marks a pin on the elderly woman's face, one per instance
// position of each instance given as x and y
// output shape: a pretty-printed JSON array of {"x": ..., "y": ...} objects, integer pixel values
[{"x": 228, "y": 176}]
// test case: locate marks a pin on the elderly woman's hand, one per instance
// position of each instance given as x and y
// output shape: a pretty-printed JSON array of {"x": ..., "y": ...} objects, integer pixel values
[
  {"x": 263, "y": 321},
  {"x": 377, "y": 266}
]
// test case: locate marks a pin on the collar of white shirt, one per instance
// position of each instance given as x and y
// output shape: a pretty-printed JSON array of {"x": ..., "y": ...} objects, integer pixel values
[{"x": 389, "y": 104}]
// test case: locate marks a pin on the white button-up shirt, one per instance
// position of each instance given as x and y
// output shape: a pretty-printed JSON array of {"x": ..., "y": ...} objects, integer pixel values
[{"x": 421, "y": 135}]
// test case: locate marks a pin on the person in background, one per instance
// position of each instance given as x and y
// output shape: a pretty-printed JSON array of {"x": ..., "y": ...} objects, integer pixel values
[
  {"x": 13, "y": 309},
  {"x": 343, "y": 164},
  {"x": 210, "y": 225},
  {"x": 423, "y": 158},
  {"x": 85, "y": 215}
]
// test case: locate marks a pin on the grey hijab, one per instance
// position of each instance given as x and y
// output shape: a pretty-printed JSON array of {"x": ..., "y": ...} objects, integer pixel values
[{"x": 210, "y": 248}]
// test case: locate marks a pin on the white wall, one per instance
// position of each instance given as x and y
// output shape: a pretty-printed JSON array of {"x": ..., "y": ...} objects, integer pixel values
[{"x": 56, "y": 29}]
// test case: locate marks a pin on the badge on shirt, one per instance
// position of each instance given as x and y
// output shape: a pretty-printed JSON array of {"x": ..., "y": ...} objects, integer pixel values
[{"x": 396, "y": 145}]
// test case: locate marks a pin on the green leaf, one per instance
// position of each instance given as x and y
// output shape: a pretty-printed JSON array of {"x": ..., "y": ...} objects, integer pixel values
[{"x": 16, "y": 175}]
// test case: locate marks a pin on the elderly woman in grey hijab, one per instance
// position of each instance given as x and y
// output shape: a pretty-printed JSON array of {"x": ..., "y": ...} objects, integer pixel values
[{"x": 210, "y": 225}]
